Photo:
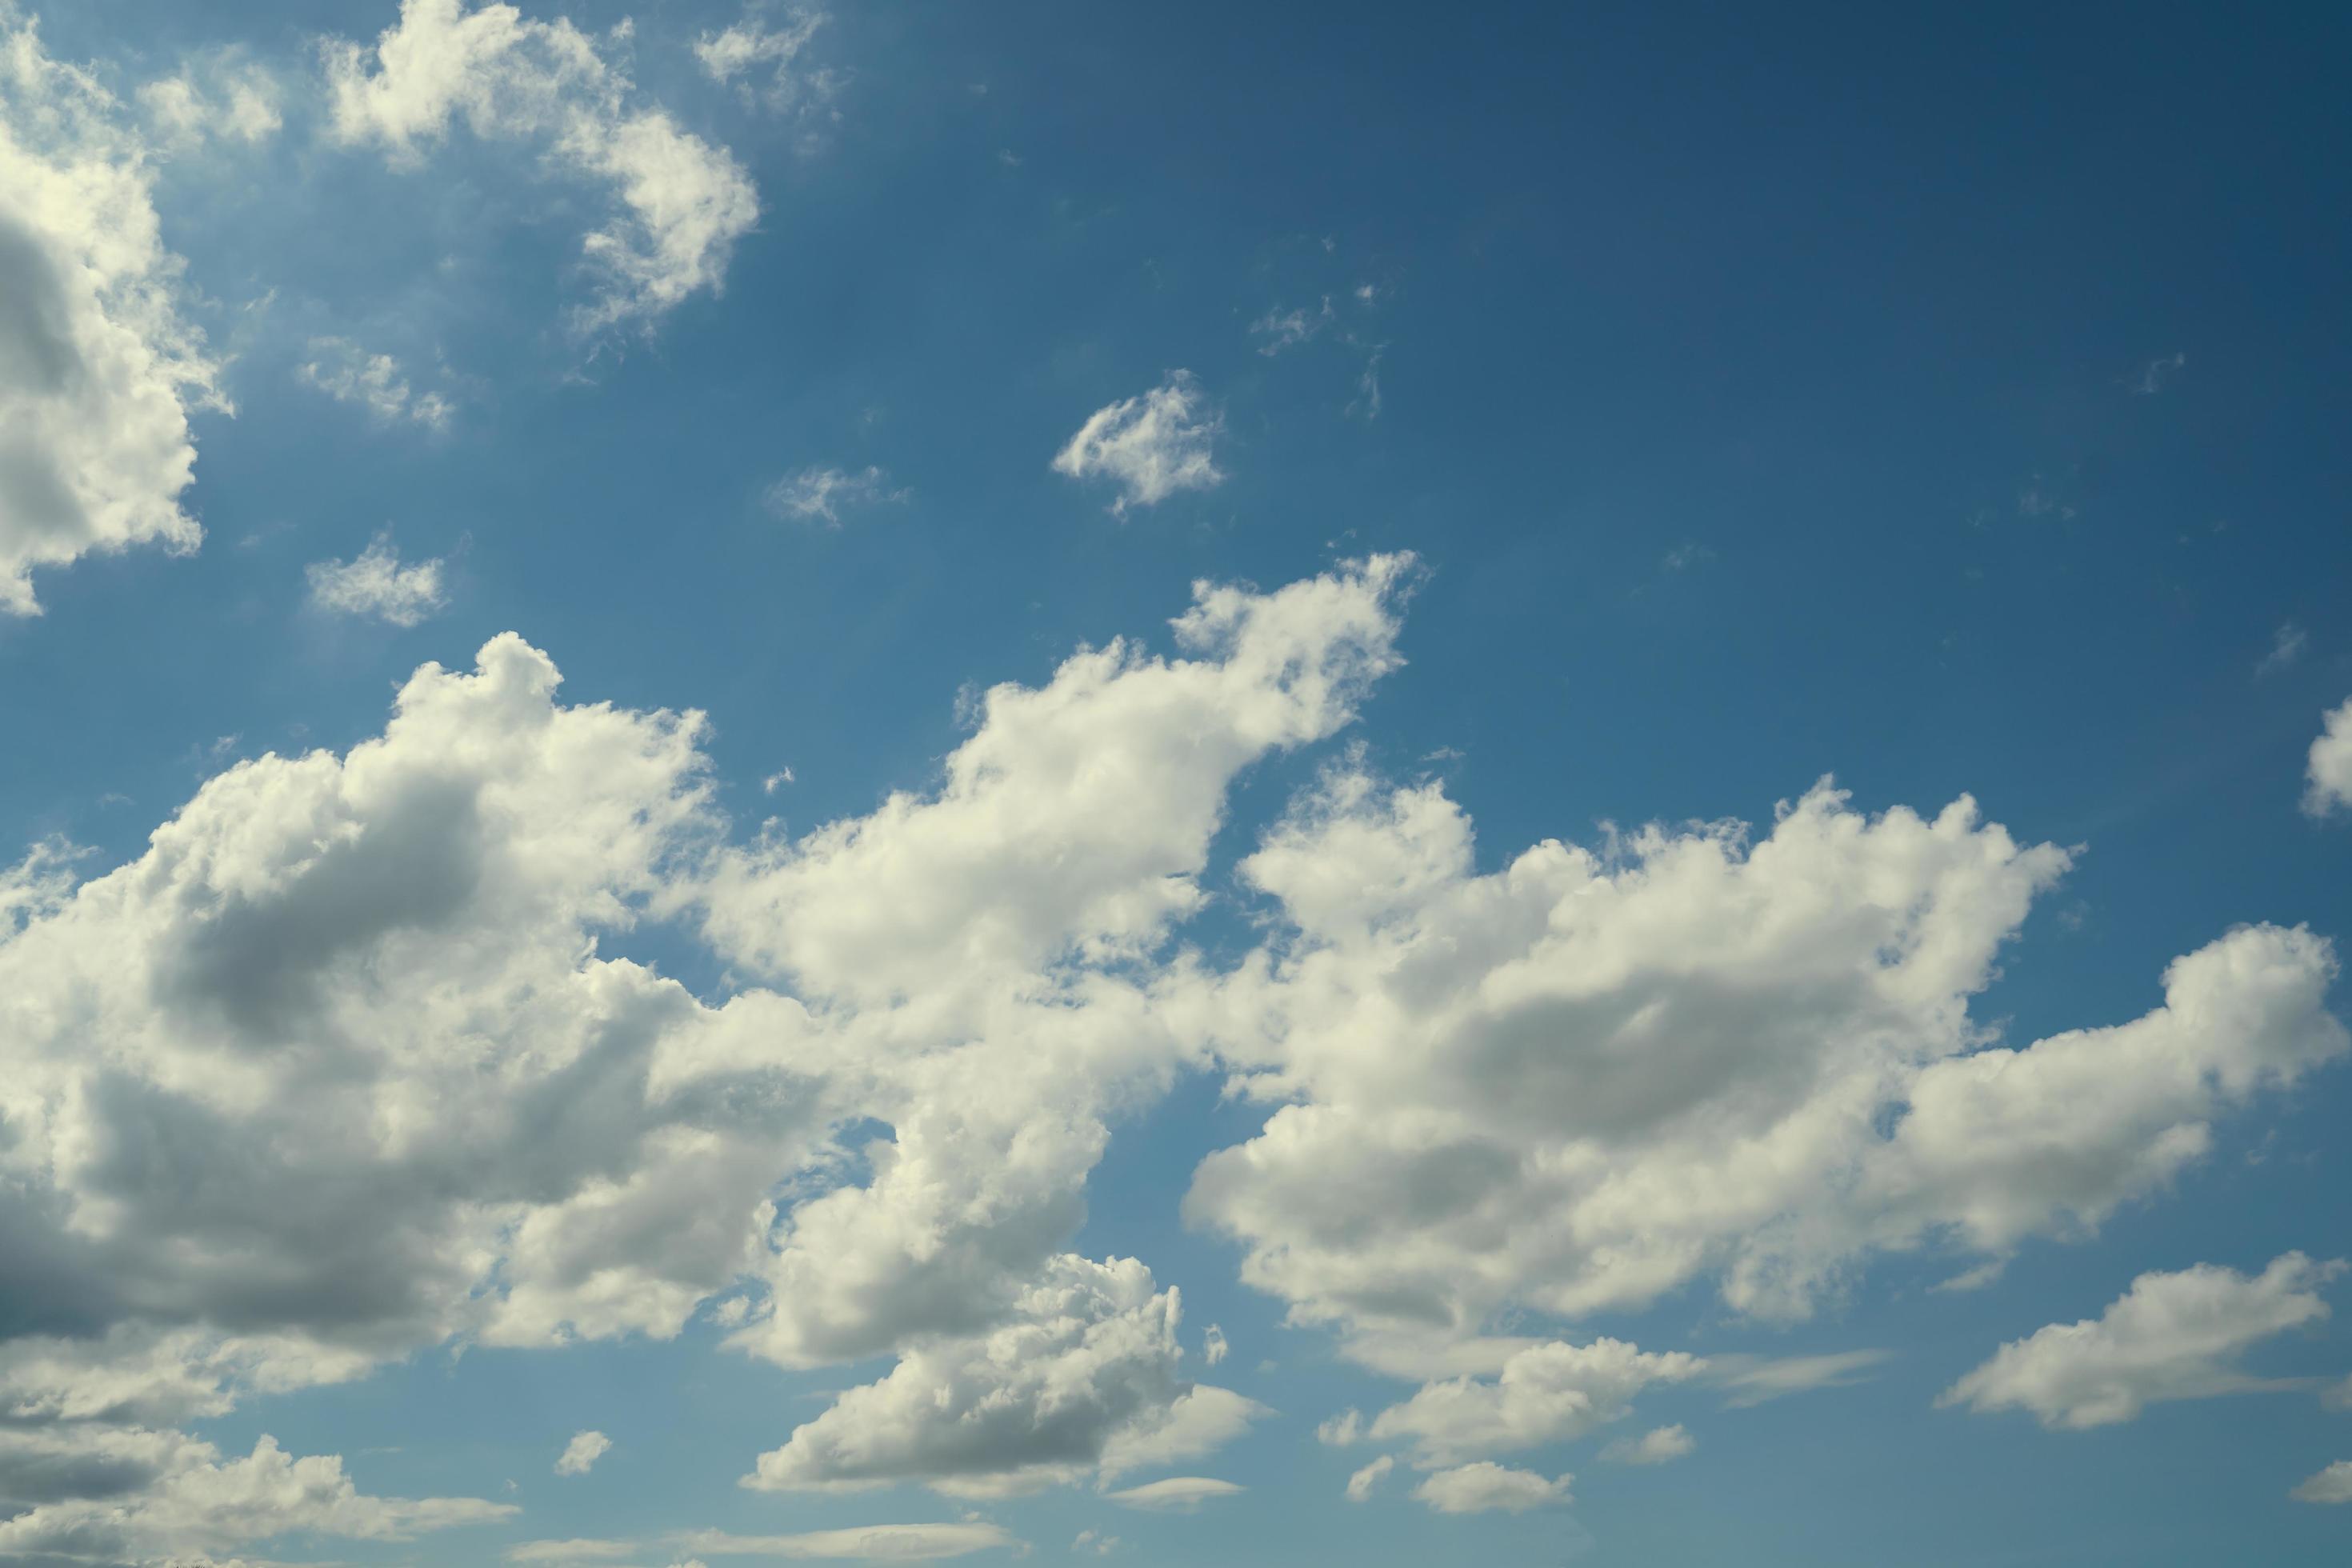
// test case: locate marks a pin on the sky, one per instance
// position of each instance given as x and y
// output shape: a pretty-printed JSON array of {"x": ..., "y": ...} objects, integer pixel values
[{"x": 1065, "y": 783}]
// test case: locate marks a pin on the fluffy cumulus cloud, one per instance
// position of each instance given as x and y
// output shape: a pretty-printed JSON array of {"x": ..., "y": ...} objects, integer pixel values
[
  {"x": 99, "y": 367},
  {"x": 1150, "y": 445},
  {"x": 219, "y": 99},
  {"x": 2328, "y": 776},
  {"x": 1361, "y": 1485},
  {"x": 678, "y": 204},
  {"x": 374, "y": 583},
  {"x": 1658, "y": 1446},
  {"x": 2170, "y": 1336},
  {"x": 2332, "y": 1485},
  {"x": 581, "y": 1454},
  {"x": 1595, "y": 1075},
  {"x": 348, "y": 374},
  {"x": 1485, "y": 1487},
  {"x": 1545, "y": 1393}
]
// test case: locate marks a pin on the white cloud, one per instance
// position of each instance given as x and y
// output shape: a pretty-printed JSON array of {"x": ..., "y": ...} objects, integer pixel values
[
  {"x": 743, "y": 47},
  {"x": 376, "y": 583},
  {"x": 346, "y": 372},
  {"x": 2170, "y": 1336},
  {"x": 2286, "y": 648},
  {"x": 1150, "y": 445},
  {"x": 203, "y": 1502},
  {"x": 98, "y": 369},
  {"x": 2328, "y": 775},
  {"x": 2156, "y": 373},
  {"x": 584, "y": 1449},
  {"x": 1361, "y": 1484},
  {"x": 1177, "y": 1494},
  {"x": 1487, "y": 1487},
  {"x": 1087, "y": 1366},
  {"x": 1590, "y": 1078},
  {"x": 1097, "y": 1542},
  {"x": 865, "y": 1543},
  {"x": 1756, "y": 1380},
  {"x": 2332, "y": 1485},
  {"x": 571, "y": 1550},
  {"x": 215, "y": 98},
  {"x": 1287, "y": 329},
  {"x": 822, "y": 492},
  {"x": 1545, "y": 1393},
  {"x": 1213, "y": 1348},
  {"x": 1656, "y": 1446},
  {"x": 681, "y": 204}
]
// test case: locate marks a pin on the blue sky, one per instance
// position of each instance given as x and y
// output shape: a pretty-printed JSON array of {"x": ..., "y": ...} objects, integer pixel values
[{"x": 1625, "y": 731}]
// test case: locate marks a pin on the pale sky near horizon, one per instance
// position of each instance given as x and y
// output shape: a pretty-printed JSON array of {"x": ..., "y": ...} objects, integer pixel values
[{"x": 1242, "y": 784}]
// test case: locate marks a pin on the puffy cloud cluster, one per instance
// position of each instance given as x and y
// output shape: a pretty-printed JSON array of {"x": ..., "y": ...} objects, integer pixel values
[
  {"x": 2170, "y": 1336},
  {"x": 1149, "y": 445},
  {"x": 374, "y": 583},
  {"x": 346, "y": 372},
  {"x": 1545, "y": 1393},
  {"x": 2328, "y": 776},
  {"x": 681, "y": 204},
  {"x": 1485, "y": 1487},
  {"x": 1592, "y": 1076},
  {"x": 98, "y": 368}
]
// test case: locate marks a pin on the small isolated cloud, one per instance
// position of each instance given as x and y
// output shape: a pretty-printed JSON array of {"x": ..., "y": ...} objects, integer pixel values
[
  {"x": 584, "y": 1449},
  {"x": 2169, "y": 1336},
  {"x": 377, "y": 585},
  {"x": 2040, "y": 498},
  {"x": 1287, "y": 329},
  {"x": 2332, "y": 1485},
  {"x": 571, "y": 1552},
  {"x": 1756, "y": 1381},
  {"x": 775, "y": 781},
  {"x": 1342, "y": 1429},
  {"x": 348, "y": 374},
  {"x": 1149, "y": 445},
  {"x": 1653, "y": 1448},
  {"x": 2155, "y": 374},
  {"x": 1096, "y": 1544},
  {"x": 1367, "y": 385},
  {"x": 1213, "y": 1348},
  {"x": 821, "y": 492},
  {"x": 214, "y": 98},
  {"x": 1487, "y": 1487},
  {"x": 2328, "y": 775},
  {"x": 1177, "y": 1494},
  {"x": 1684, "y": 556},
  {"x": 750, "y": 46},
  {"x": 1361, "y": 1484},
  {"x": 863, "y": 1543},
  {"x": 2286, "y": 648}
]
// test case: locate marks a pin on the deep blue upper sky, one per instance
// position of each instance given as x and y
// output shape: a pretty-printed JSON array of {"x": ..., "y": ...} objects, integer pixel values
[{"x": 1952, "y": 403}]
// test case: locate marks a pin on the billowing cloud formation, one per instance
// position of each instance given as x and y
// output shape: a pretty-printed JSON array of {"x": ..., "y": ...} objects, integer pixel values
[
  {"x": 2170, "y": 1336},
  {"x": 376, "y": 583},
  {"x": 1546, "y": 1394},
  {"x": 1084, "y": 1376},
  {"x": 1487, "y": 1488},
  {"x": 2328, "y": 778},
  {"x": 1590, "y": 1076},
  {"x": 582, "y": 1453},
  {"x": 1150, "y": 445},
  {"x": 681, "y": 204},
  {"x": 98, "y": 369},
  {"x": 2332, "y": 1485}
]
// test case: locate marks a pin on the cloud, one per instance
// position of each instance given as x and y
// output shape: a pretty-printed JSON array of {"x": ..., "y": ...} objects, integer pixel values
[
  {"x": 2328, "y": 775},
  {"x": 1287, "y": 329},
  {"x": 376, "y": 583},
  {"x": 1659, "y": 1446},
  {"x": 571, "y": 1550},
  {"x": 1087, "y": 1365},
  {"x": 584, "y": 1449},
  {"x": 341, "y": 369},
  {"x": 732, "y": 54},
  {"x": 2156, "y": 373},
  {"x": 1177, "y": 1494},
  {"x": 679, "y": 204},
  {"x": 1361, "y": 1484},
  {"x": 99, "y": 369},
  {"x": 2332, "y": 1485},
  {"x": 2286, "y": 647},
  {"x": 1589, "y": 1077},
  {"x": 1213, "y": 1348},
  {"x": 1095, "y": 1541},
  {"x": 202, "y": 1502},
  {"x": 1545, "y": 1393},
  {"x": 1487, "y": 1487},
  {"x": 865, "y": 1543},
  {"x": 1756, "y": 1380},
  {"x": 1150, "y": 447},
  {"x": 2170, "y": 1336},
  {"x": 822, "y": 492},
  {"x": 213, "y": 98}
]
